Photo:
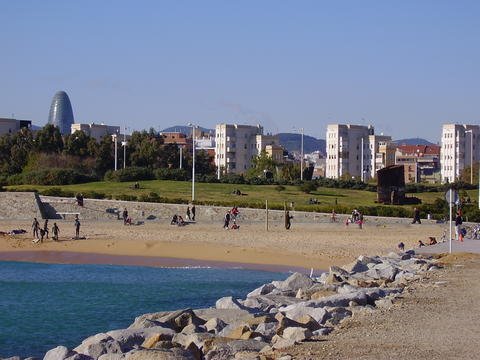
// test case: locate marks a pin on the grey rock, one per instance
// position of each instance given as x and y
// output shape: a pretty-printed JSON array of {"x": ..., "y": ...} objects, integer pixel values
[
  {"x": 336, "y": 315},
  {"x": 267, "y": 330},
  {"x": 294, "y": 282},
  {"x": 58, "y": 353},
  {"x": 279, "y": 342},
  {"x": 215, "y": 325},
  {"x": 191, "y": 329},
  {"x": 197, "y": 339},
  {"x": 112, "y": 357},
  {"x": 262, "y": 290},
  {"x": 338, "y": 271},
  {"x": 322, "y": 331},
  {"x": 155, "y": 354},
  {"x": 228, "y": 302},
  {"x": 297, "y": 334},
  {"x": 128, "y": 338},
  {"x": 298, "y": 311},
  {"x": 177, "y": 320}
]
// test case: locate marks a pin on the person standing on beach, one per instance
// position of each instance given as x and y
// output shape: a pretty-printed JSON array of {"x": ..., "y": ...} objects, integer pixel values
[
  {"x": 77, "y": 227},
  {"x": 45, "y": 227},
  {"x": 458, "y": 226},
  {"x": 287, "y": 220},
  {"x": 193, "y": 212},
  {"x": 55, "y": 232},
  {"x": 35, "y": 228},
  {"x": 226, "y": 219},
  {"x": 125, "y": 216},
  {"x": 188, "y": 213},
  {"x": 416, "y": 216}
]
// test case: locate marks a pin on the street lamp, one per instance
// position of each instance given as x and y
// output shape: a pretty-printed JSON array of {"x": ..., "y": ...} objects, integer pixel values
[
  {"x": 301, "y": 152},
  {"x": 193, "y": 159},
  {"x": 114, "y": 139},
  {"x": 124, "y": 144}
]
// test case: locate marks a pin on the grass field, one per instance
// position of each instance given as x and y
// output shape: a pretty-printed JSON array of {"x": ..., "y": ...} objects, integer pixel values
[{"x": 252, "y": 195}]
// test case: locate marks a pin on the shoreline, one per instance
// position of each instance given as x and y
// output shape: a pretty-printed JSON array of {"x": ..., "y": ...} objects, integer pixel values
[{"x": 70, "y": 257}]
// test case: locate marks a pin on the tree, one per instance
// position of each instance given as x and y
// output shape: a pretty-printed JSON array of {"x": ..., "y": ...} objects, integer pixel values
[
  {"x": 49, "y": 139},
  {"x": 290, "y": 172},
  {"x": 77, "y": 144},
  {"x": 465, "y": 174},
  {"x": 104, "y": 156},
  {"x": 261, "y": 164}
]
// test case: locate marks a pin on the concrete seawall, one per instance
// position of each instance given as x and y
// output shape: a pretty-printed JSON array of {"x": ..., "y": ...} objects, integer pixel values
[{"x": 24, "y": 206}]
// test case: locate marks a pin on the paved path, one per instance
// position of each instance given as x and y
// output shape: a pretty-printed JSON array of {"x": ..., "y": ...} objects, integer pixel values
[{"x": 468, "y": 245}]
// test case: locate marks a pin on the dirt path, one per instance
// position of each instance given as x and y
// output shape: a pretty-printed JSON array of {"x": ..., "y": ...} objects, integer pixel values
[{"x": 437, "y": 318}]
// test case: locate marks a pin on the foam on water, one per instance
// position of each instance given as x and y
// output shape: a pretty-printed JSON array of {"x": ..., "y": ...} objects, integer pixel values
[{"x": 45, "y": 305}]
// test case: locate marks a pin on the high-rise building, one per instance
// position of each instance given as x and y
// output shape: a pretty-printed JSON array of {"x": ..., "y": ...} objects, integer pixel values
[
  {"x": 236, "y": 145},
  {"x": 61, "y": 113},
  {"x": 460, "y": 149},
  {"x": 355, "y": 150},
  {"x": 421, "y": 163}
]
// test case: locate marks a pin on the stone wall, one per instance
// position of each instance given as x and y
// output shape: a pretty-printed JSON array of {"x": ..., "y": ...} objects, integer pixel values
[{"x": 19, "y": 205}]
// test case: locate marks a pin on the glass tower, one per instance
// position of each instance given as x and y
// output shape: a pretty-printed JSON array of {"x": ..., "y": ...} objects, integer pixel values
[{"x": 61, "y": 113}]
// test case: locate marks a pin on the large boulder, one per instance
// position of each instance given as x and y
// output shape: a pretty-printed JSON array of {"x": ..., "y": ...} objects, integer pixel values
[
  {"x": 214, "y": 325},
  {"x": 154, "y": 354},
  {"x": 198, "y": 339},
  {"x": 262, "y": 290},
  {"x": 228, "y": 302},
  {"x": 177, "y": 320},
  {"x": 99, "y": 344},
  {"x": 59, "y": 353},
  {"x": 297, "y": 334},
  {"x": 266, "y": 330},
  {"x": 299, "y": 311},
  {"x": 294, "y": 282},
  {"x": 128, "y": 338}
]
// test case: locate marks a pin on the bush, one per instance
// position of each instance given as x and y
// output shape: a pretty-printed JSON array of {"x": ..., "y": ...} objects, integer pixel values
[
  {"x": 126, "y": 197},
  {"x": 52, "y": 176},
  {"x": 171, "y": 174},
  {"x": 151, "y": 197},
  {"x": 280, "y": 188},
  {"x": 56, "y": 191},
  {"x": 129, "y": 174},
  {"x": 308, "y": 187},
  {"x": 232, "y": 179}
]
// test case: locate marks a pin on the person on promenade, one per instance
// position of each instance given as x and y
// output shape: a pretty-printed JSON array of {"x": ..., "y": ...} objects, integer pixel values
[
  {"x": 193, "y": 212},
  {"x": 35, "y": 228},
  {"x": 77, "y": 227},
  {"x": 288, "y": 219},
  {"x": 45, "y": 227},
  {"x": 416, "y": 216},
  {"x": 334, "y": 216},
  {"x": 55, "y": 232},
  {"x": 458, "y": 226},
  {"x": 226, "y": 220},
  {"x": 188, "y": 213}
]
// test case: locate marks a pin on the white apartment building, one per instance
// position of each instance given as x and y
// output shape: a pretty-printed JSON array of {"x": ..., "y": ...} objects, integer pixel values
[
  {"x": 352, "y": 150},
  {"x": 460, "y": 148},
  {"x": 236, "y": 145},
  {"x": 96, "y": 131}
]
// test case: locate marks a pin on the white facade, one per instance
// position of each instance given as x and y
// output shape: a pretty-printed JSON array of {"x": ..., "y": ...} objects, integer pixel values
[
  {"x": 236, "y": 145},
  {"x": 460, "y": 149},
  {"x": 352, "y": 150},
  {"x": 96, "y": 131}
]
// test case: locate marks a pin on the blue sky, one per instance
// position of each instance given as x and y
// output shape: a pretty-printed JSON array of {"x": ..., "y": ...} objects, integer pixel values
[{"x": 404, "y": 66}]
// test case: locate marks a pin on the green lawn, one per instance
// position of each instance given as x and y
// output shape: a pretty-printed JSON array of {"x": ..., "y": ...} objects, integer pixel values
[{"x": 252, "y": 195}]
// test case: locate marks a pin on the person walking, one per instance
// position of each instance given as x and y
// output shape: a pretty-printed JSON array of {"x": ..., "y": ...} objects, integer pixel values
[
  {"x": 416, "y": 216},
  {"x": 188, "y": 213},
  {"x": 45, "y": 227},
  {"x": 193, "y": 212},
  {"x": 288, "y": 219},
  {"x": 35, "y": 228},
  {"x": 125, "y": 216},
  {"x": 458, "y": 226},
  {"x": 77, "y": 227},
  {"x": 226, "y": 220},
  {"x": 55, "y": 231}
]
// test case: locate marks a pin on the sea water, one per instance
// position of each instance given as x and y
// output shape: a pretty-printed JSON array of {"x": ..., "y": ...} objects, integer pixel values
[{"x": 46, "y": 305}]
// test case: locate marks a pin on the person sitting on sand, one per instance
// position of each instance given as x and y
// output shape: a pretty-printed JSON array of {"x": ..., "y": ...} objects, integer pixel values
[
  {"x": 432, "y": 240},
  {"x": 174, "y": 220},
  {"x": 128, "y": 221},
  {"x": 420, "y": 243},
  {"x": 401, "y": 246},
  {"x": 235, "y": 226},
  {"x": 180, "y": 221}
]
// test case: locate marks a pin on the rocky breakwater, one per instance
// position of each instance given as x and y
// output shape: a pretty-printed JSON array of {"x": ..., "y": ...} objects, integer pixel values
[{"x": 272, "y": 317}]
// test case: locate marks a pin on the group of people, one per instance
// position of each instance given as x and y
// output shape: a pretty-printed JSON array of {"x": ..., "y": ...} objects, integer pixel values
[
  {"x": 191, "y": 213},
  {"x": 177, "y": 220},
  {"x": 39, "y": 233},
  {"x": 231, "y": 216},
  {"x": 356, "y": 218}
]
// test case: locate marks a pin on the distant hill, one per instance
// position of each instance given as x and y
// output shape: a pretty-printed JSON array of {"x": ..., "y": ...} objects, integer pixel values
[
  {"x": 413, "y": 141},
  {"x": 292, "y": 142},
  {"x": 186, "y": 129}
]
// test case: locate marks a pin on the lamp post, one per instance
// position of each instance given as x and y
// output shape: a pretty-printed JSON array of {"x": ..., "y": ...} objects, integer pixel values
[
  {"x": 114, "y": 139},
  {"x": 181, "y": 156},
  {"x": 124, "y": 144},
  {"x": 301, "y": 152},
  {"x": 193, "y": 159},
  {"x": 361, "y": 160}
]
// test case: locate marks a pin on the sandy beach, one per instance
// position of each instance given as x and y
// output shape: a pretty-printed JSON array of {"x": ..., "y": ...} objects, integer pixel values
[{"x": 159, "y": 244}]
